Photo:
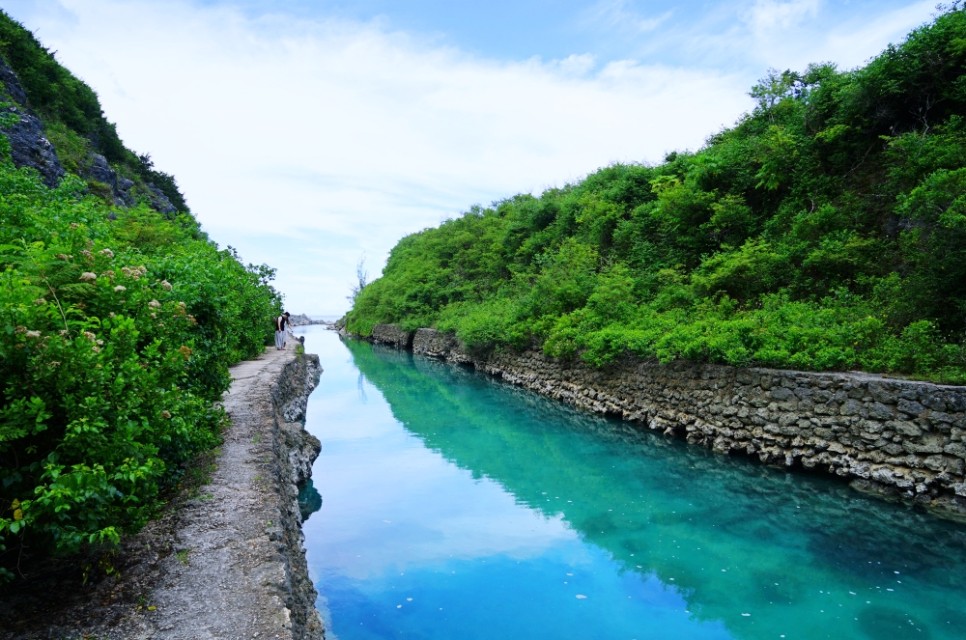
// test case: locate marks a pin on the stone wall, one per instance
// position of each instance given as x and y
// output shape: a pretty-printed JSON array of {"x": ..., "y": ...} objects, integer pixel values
[
  {"x": 893, "y": 437},
  {"x": 392, "y": 335},
  {"x": 295, "y": 449}
]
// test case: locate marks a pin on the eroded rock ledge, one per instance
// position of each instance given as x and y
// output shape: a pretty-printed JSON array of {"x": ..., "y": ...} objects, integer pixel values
[{"x": 897, "y": 438}]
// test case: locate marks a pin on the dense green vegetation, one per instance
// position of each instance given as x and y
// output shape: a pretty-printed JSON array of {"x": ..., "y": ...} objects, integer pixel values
[
  {"x": 826, "y": 231},
  {"x": 117, "y": 328}
]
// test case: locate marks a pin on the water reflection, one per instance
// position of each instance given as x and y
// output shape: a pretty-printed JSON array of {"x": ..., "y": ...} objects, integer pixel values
[
  {"x": 494, "y": 509},
  {"x": 309, "y": 500}
]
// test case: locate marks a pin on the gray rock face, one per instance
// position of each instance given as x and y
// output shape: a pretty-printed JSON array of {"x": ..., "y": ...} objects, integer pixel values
[
  {"x": 891, "y": 437},
  {"x": 160, "y": 202},
  {"x": 101, "y": 171},
  {"x": 12, "y": 84},
  {"x": 31, "y": 148},
  {"x": 29, "y": 145},
  {"x": 293, "y": 391},
  {"x": 300, "y": 320},
  {"x": 392, "y": 335},
  {"x": 436, "y": 344}
]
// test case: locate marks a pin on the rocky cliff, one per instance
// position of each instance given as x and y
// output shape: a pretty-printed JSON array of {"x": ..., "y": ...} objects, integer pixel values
[
  {"x": 30, "y": 146},
  {"x": 898, "y": 438}
]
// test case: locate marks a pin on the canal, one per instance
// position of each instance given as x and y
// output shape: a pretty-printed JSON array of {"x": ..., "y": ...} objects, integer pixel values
[{"x": 456, "y": 507}]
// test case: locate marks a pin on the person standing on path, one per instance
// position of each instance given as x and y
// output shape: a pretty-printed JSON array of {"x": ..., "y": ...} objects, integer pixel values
[{"x": 280, "y": 324}]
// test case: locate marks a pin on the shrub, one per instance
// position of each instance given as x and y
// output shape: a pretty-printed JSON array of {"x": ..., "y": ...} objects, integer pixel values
[{"x": 112, "y": 347}]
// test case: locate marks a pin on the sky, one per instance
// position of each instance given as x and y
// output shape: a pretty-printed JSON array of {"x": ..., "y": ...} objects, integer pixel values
[{"x": 312, "y": 135}]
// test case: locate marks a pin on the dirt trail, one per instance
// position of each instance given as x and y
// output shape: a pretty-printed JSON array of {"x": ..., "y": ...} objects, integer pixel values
[{"x": 225, "y": 561}]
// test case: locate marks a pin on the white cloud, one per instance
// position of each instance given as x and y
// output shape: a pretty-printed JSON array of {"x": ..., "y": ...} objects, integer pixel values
[
  {"x": 767, "y": 15},
  {"x": 853, "y": 44},
  {"x": 622, "y": 16},
  {"x": 575, "y": 65},
  {"x": 339, "y": 137},
  {"x": 349, "y": 132},
  {"x": 792, "y": 35}
]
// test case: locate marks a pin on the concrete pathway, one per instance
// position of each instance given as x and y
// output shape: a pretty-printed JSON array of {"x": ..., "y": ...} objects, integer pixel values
[{"x": 218, "y": 564}]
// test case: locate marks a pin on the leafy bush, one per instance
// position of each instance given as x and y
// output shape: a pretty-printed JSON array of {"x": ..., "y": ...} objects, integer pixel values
[{"x": 117, "y": 328}]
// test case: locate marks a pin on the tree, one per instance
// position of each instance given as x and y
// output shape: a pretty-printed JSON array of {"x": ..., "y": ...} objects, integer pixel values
[{"x": 362, "y": 279}]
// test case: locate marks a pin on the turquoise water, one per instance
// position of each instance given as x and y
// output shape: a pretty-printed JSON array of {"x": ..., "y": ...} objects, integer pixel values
[{"x": 455, "y": 507}]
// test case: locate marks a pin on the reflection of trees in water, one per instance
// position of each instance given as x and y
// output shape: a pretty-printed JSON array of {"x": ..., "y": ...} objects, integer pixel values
[
  {"x": 844, "y": 528},
  {"x": 661, "y": 507},
  {"x": 310, "y": 500}
]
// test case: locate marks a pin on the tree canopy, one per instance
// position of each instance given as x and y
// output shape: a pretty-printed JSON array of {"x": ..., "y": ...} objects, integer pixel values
[{"x": 826, "y": 230}]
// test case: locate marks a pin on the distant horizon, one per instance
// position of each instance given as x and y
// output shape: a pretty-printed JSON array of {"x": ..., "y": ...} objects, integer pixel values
[{"x": 317, "y": 316}]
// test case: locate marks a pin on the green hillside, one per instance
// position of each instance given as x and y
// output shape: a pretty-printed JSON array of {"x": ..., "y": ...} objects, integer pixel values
[
  {"x": 826, "y": 230},
  {"x": 117, "y": 328},
  {"x": 74, "y": 122}
]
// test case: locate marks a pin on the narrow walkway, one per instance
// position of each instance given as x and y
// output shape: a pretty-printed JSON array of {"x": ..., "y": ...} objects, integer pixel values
[
  {"x": 212, "y": 566},
  {"x": 221, "y": 581}
]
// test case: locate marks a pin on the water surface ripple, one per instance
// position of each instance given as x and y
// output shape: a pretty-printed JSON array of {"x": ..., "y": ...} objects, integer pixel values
[{"x": 456, "y": 507}]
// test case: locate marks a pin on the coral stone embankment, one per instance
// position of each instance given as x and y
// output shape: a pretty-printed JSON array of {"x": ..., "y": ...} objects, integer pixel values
[
  {"x": 898, "y": 438},
  {"x": 226, "y": 561}
]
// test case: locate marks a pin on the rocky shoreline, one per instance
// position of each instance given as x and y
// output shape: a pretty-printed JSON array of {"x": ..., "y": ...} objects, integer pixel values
[
  {"x": 226, "y": 559},
  {"x": 899, "y": 439}
]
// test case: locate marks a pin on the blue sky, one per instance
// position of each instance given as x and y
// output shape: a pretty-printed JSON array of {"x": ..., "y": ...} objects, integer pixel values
[{"x": 314, "y": 134}]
